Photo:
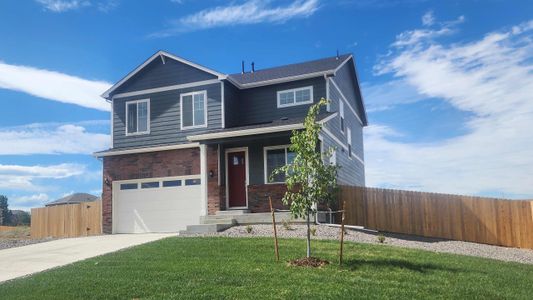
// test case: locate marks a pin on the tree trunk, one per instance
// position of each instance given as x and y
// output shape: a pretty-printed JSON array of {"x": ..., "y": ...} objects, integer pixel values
[{"x": 308, "y": 235}]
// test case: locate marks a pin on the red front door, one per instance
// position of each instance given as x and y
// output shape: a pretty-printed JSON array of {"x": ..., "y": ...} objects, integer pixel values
[{"x": 236, "y": 179}]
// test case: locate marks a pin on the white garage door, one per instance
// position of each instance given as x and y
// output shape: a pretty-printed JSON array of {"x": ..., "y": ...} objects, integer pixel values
[{"x": 166, "y": 204}]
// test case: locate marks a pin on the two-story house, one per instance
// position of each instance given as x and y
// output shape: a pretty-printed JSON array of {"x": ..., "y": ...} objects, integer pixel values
[{"x": 188, "y": 141}]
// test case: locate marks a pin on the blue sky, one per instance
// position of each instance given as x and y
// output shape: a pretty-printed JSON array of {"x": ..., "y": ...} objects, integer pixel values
[{"x": 448, "y": 85}]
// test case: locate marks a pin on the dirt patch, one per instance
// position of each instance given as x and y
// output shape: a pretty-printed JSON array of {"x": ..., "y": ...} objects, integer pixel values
[{"x": 314, "y": 262}]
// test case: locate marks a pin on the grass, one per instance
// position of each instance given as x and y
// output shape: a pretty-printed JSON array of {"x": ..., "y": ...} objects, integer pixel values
[{"x": 244, "y": 268}]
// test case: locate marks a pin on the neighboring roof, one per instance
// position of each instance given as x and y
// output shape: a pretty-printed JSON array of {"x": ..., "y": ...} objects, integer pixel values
[
  {"x": 263, "y": 128},
  {"x": 160, "y": 54},
  {"x": 302, "y": 70},
  {"x": 74, "y": 198}
]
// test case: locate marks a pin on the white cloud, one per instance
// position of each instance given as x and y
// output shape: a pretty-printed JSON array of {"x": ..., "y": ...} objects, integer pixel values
[
  {"x": 249, "y": 12},
  {"x": 54, "y": 86},
  {"x": 62, "y": 5},
  {"x": 414, "y": 37},
  {"x": 59, "y": 6},
  {"x": 388, "y": 94},
  {"x": 18, "y": 177},
  {"x": 52, "y": 139},
  {"x": 428, "y": 18},
  {"x": 28, "y": 201},
  {"x": 493, "y": 79}
]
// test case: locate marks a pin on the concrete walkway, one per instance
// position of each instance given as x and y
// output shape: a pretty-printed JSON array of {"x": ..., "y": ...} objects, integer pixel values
[{"x": 26, "y": 260}]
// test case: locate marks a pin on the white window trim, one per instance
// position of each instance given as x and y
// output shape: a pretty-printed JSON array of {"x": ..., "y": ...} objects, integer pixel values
[
  {"x": 333, "y": 158},
  {"x": 204, "y": 92},
  {"x": 127, "y": 103},
  {"x": 310, "y": 88},
  {"x": 265, "y": 149}
]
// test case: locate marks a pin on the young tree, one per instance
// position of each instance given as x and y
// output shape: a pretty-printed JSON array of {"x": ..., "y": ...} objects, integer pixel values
[
  {"x": 4, "y": 211},
  {"x": 309, "y": 179}
]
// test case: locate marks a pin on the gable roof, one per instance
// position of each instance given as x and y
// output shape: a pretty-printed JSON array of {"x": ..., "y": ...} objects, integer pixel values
[
  {"x": 74, "y": 198},
  {"x": 296, "y": 71},
  {"x": 160, "y": 54}
]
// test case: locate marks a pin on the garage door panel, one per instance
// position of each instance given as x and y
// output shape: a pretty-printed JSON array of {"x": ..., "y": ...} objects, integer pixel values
[{"x": 163, "y": 209}]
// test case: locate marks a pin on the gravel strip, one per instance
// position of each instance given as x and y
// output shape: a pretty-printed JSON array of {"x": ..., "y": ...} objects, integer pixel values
[
  {"x": 12, "y": 243},
  {"x": 362, "y": 236}
]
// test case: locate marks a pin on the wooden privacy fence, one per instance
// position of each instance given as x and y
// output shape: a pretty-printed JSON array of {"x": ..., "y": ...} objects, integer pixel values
[
  {"x": 71, "y": 220},
  {"x": 464, "y": 218}
]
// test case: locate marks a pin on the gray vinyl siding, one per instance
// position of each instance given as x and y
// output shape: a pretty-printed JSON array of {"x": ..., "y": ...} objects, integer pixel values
[
  {"x": 352, "y": 170},
  {"x": 346, "y": 79},
  {"x": 231, "y": 108},
  {"x": 259, "y": 105},
  {"x": 165, "y": 118},
  {"x": 156, "y": 74}
]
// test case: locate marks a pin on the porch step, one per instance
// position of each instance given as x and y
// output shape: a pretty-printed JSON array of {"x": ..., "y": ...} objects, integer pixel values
[
  {"x": 232, "y": 212},
  {"x": 217, "y": 220},
  {"x": 205, "y": 228},
  {"x": 248, "y": 218}
]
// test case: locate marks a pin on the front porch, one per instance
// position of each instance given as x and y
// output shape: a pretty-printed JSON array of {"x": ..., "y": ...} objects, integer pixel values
[{"x": 237, "y": 173}]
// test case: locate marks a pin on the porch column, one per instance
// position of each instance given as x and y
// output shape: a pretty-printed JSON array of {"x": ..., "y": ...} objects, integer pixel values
[{"x": 204, "y": 178}]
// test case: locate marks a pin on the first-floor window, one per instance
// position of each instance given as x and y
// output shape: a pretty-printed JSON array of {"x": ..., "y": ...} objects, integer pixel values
[
  {"x": 138, "y": 116},
  {"x": 193, "y": 110},
  {"x": 276, "y": 157},
  {"x": 333, "y": 158}
]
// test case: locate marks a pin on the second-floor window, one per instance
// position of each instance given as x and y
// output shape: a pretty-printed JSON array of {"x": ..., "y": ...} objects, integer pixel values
[
  {"x": 349, "y": 136},
  {"x": 341, "y": 113},
  {"x": 138, "y": 117},
  {"x": 193, "y": 110},
  {"x": 294, "y": 97}
]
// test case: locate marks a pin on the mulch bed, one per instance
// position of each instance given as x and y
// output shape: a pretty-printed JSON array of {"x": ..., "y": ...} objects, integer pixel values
[{"x": 308, "y": 262}]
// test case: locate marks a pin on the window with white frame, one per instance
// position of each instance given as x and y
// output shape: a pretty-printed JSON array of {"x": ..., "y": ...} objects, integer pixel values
[
  {"x": 333, "y": 157},
  {"x": 341, "y": 113},
  {"x": 294, "y": 97},
  {"x": 138, "y": 117},
  {"x": 193, "y": 110},
  {"x": 349, "y": 136},
  {"x": 275, "y": 157}
]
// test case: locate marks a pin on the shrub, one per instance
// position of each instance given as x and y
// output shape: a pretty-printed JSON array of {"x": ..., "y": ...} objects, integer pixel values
[
  {"x": 286, "y": 225},
  {"x": 249, "y": 229},
  {"x": 313, "y": 231},
  {"x": 381, "y": 238}
]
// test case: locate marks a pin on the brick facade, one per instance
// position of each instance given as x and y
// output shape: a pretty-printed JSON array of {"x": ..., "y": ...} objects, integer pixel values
[
  {"x": 258, "y": 197},
  {"x": 181, "y": 162},
  {"x": 144, "y": 165}
]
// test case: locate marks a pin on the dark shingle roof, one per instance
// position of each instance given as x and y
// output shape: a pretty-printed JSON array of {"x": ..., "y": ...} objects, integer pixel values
[
  {"x": 292, "y": 70},
  {"x": 74, "y": 198},
  {"x": 274, "y": 123}
]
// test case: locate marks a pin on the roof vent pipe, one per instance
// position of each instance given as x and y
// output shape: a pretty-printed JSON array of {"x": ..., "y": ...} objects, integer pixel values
[
  {"x": 337, "y": 57},
  {"x": 242, "y": 65},
  {"x": 253, "y": 67}
]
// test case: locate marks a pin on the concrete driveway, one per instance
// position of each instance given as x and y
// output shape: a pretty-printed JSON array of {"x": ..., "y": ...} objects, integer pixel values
[{"x": 22, "y": 261}]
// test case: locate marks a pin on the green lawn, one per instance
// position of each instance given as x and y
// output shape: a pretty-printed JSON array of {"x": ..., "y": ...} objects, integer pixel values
[{"x": 218, "y": 268}]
